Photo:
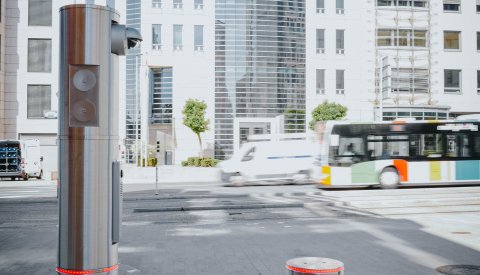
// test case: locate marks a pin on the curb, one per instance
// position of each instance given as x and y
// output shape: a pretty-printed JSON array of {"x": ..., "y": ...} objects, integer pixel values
[{"x": 218, "y": 207}]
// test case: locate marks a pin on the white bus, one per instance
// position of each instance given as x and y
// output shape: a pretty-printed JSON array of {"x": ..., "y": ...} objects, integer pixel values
[{"x": 391, "y": 154}]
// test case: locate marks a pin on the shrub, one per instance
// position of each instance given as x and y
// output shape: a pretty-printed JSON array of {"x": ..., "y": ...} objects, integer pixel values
[{"x": 200, "y": 162}]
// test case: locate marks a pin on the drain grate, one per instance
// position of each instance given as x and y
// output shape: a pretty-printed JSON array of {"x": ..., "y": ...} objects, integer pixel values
[{"x": 459, "y": 269}]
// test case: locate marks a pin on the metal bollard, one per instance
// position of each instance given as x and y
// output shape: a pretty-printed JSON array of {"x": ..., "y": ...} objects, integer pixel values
[{"x": 314, "y": 265}]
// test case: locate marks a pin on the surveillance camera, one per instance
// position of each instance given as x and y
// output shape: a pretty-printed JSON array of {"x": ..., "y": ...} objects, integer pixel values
[
  {"x": 124, "y": 38},
  {"x": 133, "y": 37}
]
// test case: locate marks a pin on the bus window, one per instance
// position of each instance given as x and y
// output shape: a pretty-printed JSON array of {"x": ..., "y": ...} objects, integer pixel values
[
  {"x": 431, "y": 145},
  {"x": 385, "y": 147},
  {"x": 349, "y": 150}
]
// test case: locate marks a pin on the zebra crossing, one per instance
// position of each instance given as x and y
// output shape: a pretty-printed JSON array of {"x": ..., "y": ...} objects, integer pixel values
[{"x": 33, "y": 189}]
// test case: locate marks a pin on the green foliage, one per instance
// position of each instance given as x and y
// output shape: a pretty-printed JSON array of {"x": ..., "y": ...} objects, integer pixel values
[
  {"x": 327, "y": 111},
  {"x": 194, "y": 116},
  {"x": 200, "y": 162}
]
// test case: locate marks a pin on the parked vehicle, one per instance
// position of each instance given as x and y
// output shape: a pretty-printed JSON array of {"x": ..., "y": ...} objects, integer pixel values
[
  {"x": 289, "y": 160},
  {"x": 20, "y": 159}
]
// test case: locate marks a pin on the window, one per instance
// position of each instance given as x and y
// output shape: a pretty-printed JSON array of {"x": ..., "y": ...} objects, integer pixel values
[
  {"x": 198, "y": 37},
  {"x": 402, "y": 3},
  {"x": 177, "y": 4},
  {"x": 451, "y": 40},
  {"x": 340, "y": 41},
  {"x": 39, "y": 55},
  {"x": 478, "y": 82},
  {"x": 320, "y": 81},
  {"x": 162, "y": 95},
  {"x": 156, "y": 37},
  {"x": 320, "y": 41},
  {"x": 451, "y": 5},
  {"x": 39, "y": 12},
  {"x": 198, "y": 5},
  {"x": 340, "y": 7},
  {"x": 320, "y": 6},
  {"x": 478, "y": 6},
  {"x": 38, "y": 100},
  {"x": 340, "y": 82},
  {"x": 156, "y": 4},
  {"x": 452, "y": 80},
  {"x": 401, "y": 38},
  {"x": 177, "y": 37},
  {"x": 408, "y": 80},
  {"x": 478, "y": 41}
]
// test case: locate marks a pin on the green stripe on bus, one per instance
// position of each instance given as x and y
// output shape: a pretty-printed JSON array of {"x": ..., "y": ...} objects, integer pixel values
[
  {"x": 467, "y": 170},
  {"x": 435, "y": 174},
  {"x": 364, "y": 173}
]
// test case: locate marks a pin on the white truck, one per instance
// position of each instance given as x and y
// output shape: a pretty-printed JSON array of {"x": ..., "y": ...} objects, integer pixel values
[
  {"x": 270, "y": 161},
  {"x": 20, "y": 159}
]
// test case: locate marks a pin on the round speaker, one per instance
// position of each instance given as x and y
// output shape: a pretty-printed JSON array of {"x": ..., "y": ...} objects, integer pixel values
[
  {"x": 84, "y": 80},
  {"x": 84, "y": 110}
]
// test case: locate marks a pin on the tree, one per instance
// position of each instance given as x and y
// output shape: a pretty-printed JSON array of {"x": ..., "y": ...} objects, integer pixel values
[
  {"x": 194, "y": 118},
  {"x": 327, "y": 111}
]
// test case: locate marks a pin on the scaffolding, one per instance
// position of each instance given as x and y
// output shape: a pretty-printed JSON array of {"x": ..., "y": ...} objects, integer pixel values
[{"x": 403, "y": 52}]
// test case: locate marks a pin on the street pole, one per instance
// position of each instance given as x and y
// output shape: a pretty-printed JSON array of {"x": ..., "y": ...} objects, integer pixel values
[{"x": 89, "y": 171}]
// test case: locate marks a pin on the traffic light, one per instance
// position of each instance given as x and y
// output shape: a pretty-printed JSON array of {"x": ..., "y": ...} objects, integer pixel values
[{"x": 83, "y": 93}]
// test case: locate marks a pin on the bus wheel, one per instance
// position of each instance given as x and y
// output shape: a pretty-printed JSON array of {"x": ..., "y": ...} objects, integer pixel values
[{"x": 389, "y": 178}]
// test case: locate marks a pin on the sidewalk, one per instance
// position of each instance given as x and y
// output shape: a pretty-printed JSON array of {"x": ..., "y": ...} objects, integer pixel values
[{"x": 169, "y": 174}]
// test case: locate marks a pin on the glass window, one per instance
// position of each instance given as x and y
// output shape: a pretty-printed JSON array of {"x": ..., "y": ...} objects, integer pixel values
[
  {"x": 452, "y": 80},
  {"x": 198, "y": 4},
  {"x": 320, "y": 6},
  {"x": 39, "y": 55},
  {"x": 478, "y": 41},
  {"x": 177, "y": 4},
  {"x": 340, "y": 39},
  {"x": 161, "y": 107},
  {"x": 340, "y": 5},
  {"x": 420, "y": 38},
  {"x": 157, "y": 34},
  {"x": 478, "y": 6},
  {"x": 320, "y": 81},
  {"x": 451, "y": 40},
  {"x": 38, "y": 100},
  {"x": 340, "y": 79},
  {"x": 177, "y": 37},
  {"x": 478, "y": 82},
  {"x": 451, "y": 5},
  {"x": 198, "y": 37},
  {"x": 320, "y": 39},
  {"x": 39, "y": 12}
]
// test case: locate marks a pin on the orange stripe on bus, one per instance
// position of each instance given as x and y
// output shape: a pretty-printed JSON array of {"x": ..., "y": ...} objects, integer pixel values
[{"x": 402, "y": 168}]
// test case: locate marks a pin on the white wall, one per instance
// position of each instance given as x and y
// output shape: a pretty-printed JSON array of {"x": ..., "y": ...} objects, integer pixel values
[
  {"x": 193, "y": 71},
  {"x": 358, "y": 60},
  {"x": 467, "y": 59}
]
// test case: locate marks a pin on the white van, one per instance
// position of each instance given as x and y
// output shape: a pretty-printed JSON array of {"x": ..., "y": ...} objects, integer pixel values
[
  {"x": 20, "y": 159},
  {"x": 289, "y": 160}
]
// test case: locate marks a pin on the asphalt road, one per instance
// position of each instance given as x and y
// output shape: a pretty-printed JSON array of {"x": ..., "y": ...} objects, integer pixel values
[{"x": 255, "y": 230}]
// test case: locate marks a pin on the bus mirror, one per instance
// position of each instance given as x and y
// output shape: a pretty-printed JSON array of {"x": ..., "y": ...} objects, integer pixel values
[{"x": 334, "y": 140}]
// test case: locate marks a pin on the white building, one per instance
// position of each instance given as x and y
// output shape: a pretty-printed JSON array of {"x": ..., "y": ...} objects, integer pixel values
[
  {"x": 31, "y": 45},
  {"x": 251, "y": 63}
]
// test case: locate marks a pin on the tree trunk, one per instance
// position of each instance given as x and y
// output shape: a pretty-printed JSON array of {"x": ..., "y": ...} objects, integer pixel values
[{"x": 200, "y": 141}]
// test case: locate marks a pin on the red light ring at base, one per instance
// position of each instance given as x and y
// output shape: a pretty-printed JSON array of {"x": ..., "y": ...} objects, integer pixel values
[
  {"x": 90, "y": 271},
  {"x": 314, "y": 271}
]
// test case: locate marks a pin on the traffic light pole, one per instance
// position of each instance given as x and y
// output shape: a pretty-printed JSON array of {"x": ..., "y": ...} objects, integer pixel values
[{"x": 89, "y": 199}]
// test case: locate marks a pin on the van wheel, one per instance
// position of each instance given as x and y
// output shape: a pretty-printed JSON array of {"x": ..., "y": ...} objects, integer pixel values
[
  {"x": 302, "y": 177},
  {"x": 389, "y": 178},
  {"x": 41, "y": 175},
  {"x": 237, "y": 179},
  {"x": 25, "y": 177}
]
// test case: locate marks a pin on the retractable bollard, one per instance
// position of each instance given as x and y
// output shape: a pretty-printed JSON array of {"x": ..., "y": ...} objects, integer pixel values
[
  {"x": 314, "y": 265},
  {"x": 89, "y": 172}
]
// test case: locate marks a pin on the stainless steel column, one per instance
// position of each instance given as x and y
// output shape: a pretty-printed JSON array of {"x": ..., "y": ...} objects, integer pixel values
[{"x": 88, "y": 138}]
